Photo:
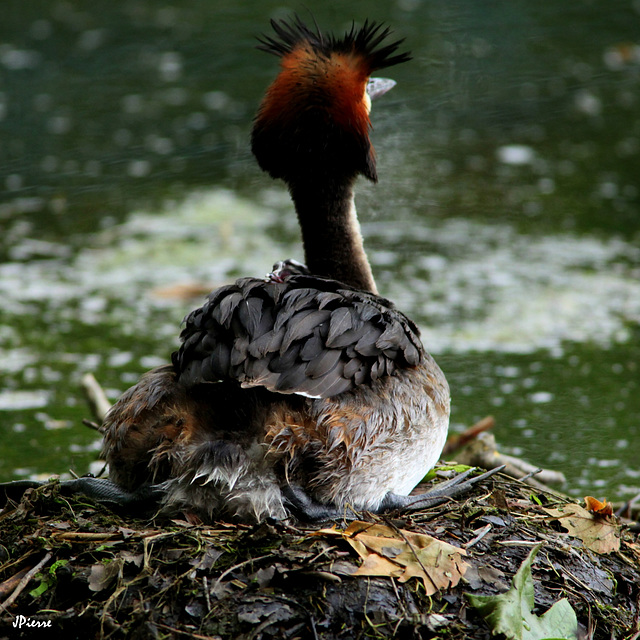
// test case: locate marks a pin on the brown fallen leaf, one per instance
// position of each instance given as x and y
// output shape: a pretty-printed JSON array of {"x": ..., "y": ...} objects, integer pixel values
[
  {"x": 594, "y": 505},
  {"x": 134, "y": 558},
  {"x": 102, "y": 575},
  {"x": 599, "y": 533},
  {"x": 403, "y": 555}
]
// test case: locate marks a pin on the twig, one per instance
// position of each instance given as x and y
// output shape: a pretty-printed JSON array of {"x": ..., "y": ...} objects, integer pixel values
[
  {"x": 207, "y": 598},
  {"x": 85, "y": 536},
  {"x": 96, "y": 397},
  {"x": 148, "y": 541},
  {"x": 459, "y": 440},
  {"x": 535, "y": 472},
  {"x": 481, "y": 534},
  {"x": 626, "y": 507},
  {"x": 313, "y": 627},
  {"x": 483, "y": 452},
  {"x": 91, "y": 424},
  {"x": 24, "y": 582},
  {"x": 234, "y": 567},
  {"x": 10, "y": 584}
]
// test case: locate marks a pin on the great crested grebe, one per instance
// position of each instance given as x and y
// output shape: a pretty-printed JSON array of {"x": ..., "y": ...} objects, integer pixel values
[{"x": 304, "y": 392}]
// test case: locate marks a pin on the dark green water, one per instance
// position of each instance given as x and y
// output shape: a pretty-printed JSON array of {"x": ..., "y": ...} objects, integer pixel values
[{"x": 506, "y": 220}]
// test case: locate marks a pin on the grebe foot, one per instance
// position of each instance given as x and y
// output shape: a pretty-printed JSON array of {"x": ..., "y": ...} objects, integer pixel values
[
  {"x": 443, "y": 492},
  {"x": 103, "y": 490},
  {"x": 146, "y": 497},
  {"x": 300, "y": 505}
]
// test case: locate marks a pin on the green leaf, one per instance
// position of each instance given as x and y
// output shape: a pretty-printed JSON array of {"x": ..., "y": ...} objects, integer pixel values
[
  {"x": 40, "y": 589},
  {"x": 510, "y": 613},
  {"x": 55, "y": 565},
  {"x": 430, "y": 476},
  {"x": 536, "y": 499},
  {"x": 458, "y": 468}
]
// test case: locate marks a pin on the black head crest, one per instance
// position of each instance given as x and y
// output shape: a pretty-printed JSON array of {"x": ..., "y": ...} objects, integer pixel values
[{"x": 366, "y": 41}]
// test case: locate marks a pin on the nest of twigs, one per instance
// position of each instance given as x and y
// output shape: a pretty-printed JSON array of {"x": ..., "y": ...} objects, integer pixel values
[{"x": 73, "y": 566}]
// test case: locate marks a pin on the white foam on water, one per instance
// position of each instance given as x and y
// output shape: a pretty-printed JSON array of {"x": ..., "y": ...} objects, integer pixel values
[
  {"x": 477, "y": 288},
  {"x": 491, "y": 288}
]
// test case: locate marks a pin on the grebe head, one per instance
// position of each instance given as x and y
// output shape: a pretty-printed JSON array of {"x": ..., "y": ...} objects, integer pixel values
[{"x": 313, "y": 123}]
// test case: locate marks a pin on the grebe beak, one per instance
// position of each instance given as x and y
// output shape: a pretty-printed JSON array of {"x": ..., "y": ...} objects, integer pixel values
[{"x": 379, "y": 86}]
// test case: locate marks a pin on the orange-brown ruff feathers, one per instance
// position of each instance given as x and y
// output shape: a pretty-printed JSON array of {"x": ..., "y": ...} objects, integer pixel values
[
  {"x": 296, "y": 387},
  {"x": 321, "y": 91}
]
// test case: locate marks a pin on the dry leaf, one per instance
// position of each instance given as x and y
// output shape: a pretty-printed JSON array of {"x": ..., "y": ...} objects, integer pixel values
[
  {"x": 404, "y": 555},
  {"x": 599, "y": 533},
  {"x": 374, "y": 565},
  {"x": 129, "y": 556},
  {"x": 603, "y": 508},
  {"x": 103, "y": 574},
  {"x": 478, "y": 576}
]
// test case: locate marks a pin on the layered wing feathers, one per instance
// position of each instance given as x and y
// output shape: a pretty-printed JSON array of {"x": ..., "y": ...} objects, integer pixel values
[{"x": 307, "y": 335}]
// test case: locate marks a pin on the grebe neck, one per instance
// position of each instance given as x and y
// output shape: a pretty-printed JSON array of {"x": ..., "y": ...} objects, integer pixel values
[{"x": 331, "y": 234}]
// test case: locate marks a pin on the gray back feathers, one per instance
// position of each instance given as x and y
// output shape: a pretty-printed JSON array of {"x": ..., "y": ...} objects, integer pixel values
[{"x": 307, "y": 335}]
